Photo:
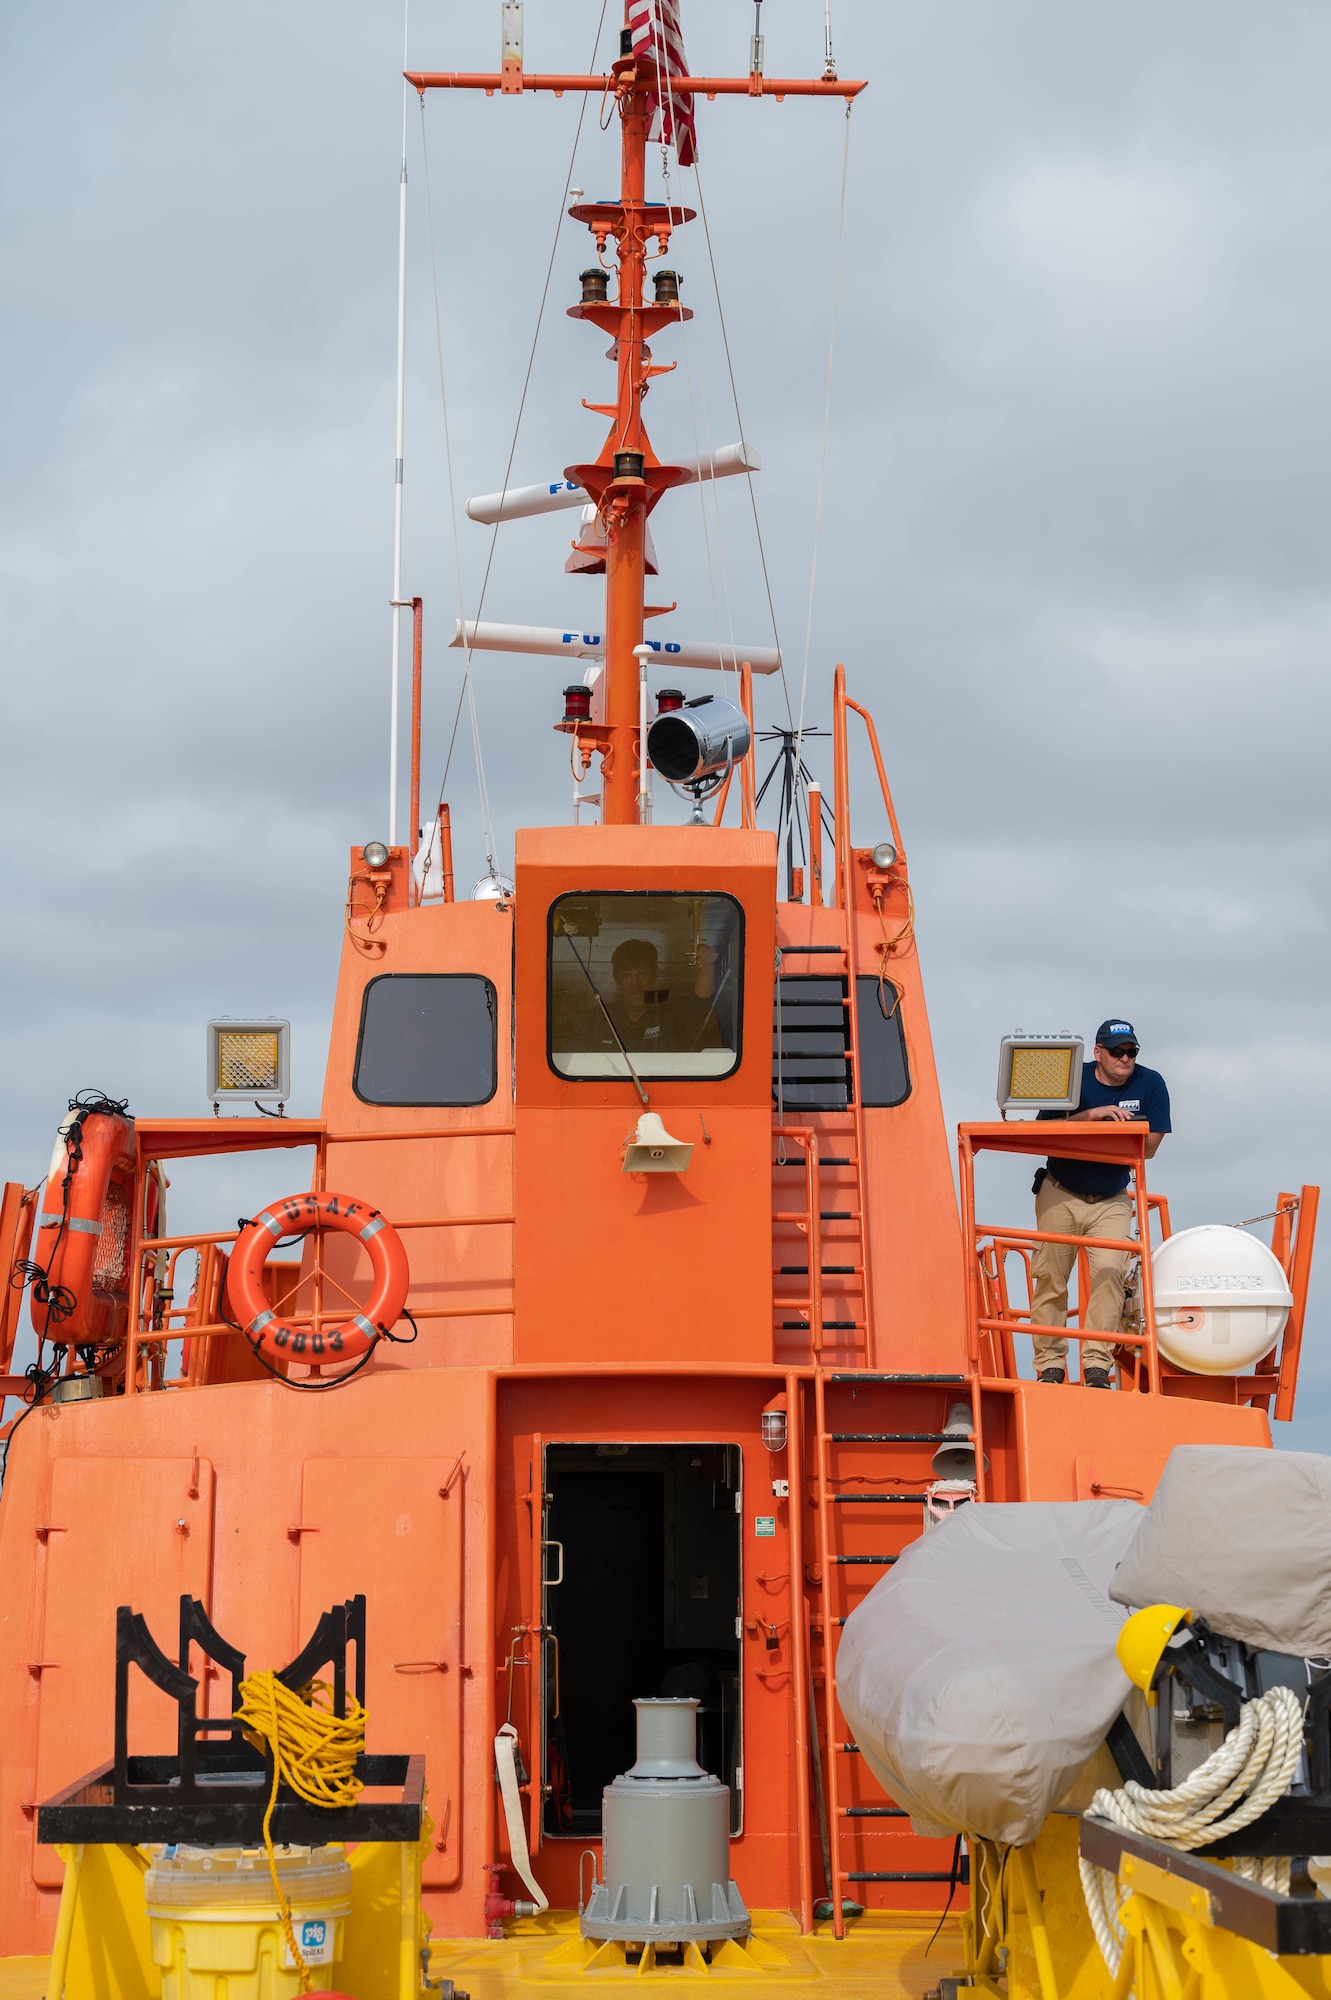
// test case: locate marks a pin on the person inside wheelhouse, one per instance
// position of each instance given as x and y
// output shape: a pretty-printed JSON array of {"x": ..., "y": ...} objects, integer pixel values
[{"x": 651, "y": 978}]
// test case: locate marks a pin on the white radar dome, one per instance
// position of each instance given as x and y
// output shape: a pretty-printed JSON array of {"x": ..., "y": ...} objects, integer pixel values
[{"x": 1221, "y": 1299}]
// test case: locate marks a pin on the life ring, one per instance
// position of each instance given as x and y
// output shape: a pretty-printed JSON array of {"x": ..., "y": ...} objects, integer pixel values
[
  {"x": 296, "y": 1215},
  {"x": 81, "y": 1279}
]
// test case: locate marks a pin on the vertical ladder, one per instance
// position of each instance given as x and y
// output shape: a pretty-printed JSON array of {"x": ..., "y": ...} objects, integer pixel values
[
  {"x": 816, "y": 1067},
  {"x": 838, "y": 1565}
]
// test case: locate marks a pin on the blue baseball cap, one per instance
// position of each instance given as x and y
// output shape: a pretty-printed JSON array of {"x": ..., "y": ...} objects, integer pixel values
[{"x": 1110, "y": 1032}]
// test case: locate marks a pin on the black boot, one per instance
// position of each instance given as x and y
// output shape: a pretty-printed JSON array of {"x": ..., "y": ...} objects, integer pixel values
[
  {"x": 1054, "y": 1375},
  {"x": 1095, "y": 1378}
]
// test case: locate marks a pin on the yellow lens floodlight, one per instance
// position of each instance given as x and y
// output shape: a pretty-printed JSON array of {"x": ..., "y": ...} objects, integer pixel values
[
  {"x": 1143, "y": 1637},
  {"x": 250, "y": 1060},
  {"x": 1039, "y": 1072}
]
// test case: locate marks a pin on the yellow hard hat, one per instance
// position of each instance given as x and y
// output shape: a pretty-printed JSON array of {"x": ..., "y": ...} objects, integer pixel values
[{"x": 1143, "y": 1637}]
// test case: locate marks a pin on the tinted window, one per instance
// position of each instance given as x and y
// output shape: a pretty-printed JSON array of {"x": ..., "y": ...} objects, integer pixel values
[
  {"x": 884, "y": 1075},
  {"x": 427, "y": 1038},
  {"x": 654, "y": 982},
  {"x": 811, "y": 1052}
]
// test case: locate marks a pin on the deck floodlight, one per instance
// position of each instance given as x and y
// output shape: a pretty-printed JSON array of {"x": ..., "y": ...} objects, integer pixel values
[
  {"x": 1039, "y": 1072},
  {"x": 885, "y": 854},
  {"x": 775, "y": 1423},
  {"x": 374, "y": 854},
  {"x": 249, "y": 1059}
]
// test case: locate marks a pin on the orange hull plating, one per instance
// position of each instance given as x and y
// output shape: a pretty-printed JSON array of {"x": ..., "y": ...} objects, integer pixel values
[{"x": 582, "y": 1409}]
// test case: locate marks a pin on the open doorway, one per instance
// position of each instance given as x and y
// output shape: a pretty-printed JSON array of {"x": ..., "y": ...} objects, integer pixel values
[{"x": 647, "y": 1603}]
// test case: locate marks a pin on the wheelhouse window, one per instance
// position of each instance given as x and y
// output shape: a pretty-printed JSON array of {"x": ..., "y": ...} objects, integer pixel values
[
  {"x": 427, "y": 1038},
  {"x": 812, "y": 1069},
  {"x": 647, "y": 982}
]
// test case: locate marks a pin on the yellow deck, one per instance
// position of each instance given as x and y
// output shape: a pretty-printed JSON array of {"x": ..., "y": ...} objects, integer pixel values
[{"x": 881, "y": 1958}]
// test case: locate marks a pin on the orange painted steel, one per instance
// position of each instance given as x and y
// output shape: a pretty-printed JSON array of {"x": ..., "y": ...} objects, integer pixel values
[
  {"x": 18, "y": 1215},
  {"x": 563, "y": 1301},
  {"x": 799, "y": 1644},
  {"x": 1300, "y": 1271},
  {"x": 693, "y": 86},
  {"x": 417, "y": 636}
]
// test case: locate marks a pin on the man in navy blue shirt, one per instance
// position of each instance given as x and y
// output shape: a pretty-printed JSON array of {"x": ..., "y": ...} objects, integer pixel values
[{"x": 1091, "y": 1198}]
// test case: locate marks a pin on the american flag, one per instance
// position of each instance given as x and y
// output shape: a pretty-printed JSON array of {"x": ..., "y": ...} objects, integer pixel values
[{"x": 659, "y": 46}]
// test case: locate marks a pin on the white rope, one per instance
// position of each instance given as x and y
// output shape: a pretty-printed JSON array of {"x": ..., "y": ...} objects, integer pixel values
[{"x": 1253, "y": 1767}]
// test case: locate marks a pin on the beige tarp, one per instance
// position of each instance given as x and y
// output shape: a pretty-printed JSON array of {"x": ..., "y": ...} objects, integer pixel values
[
  {"x": 979, "y": 1675},
  {"x": 1241, "y": 1535}
]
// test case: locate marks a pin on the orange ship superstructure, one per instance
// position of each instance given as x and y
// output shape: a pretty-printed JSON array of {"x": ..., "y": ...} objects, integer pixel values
[{"x": 665, "y": 1399}]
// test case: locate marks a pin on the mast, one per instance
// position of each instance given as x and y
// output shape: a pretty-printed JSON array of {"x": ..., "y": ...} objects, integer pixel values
[
  {"x": 627, "y": 479},
  {"x": 626, "y": 515}
]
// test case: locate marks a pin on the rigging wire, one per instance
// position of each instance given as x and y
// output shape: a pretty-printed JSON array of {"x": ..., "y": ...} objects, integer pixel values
[
  {"x": 734, "y": 397},
  {"x": 517, "y": 426},
  {"x": 468, "y": 687},
  {"x": 827, "y": 414},
  {"x": 394, "y": 698},
  {"x": 731, "y": 663}
]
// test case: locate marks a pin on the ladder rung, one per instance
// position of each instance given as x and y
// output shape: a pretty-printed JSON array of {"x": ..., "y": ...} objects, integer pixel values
[
  {"x": 874, "y": 1812},
  {"x": 849, "y": 1748},
  {"x": 835, "y": 1215},
  {"x": 828, "y": 1270},
  {"x": 864, "y": 1559},
  {"x": 824, "y": 1160},
  {"x": 891, "y": 1437},
  {"x": 863, "y": 1375},
  {"x": 813, "y": 950},
  {"x": 829, "y": 1325},
  {"x": 890, "y": 1499}
]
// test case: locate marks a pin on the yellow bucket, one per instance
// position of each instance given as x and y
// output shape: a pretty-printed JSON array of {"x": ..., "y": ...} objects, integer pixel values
[{"x": 216, "y": 1929}]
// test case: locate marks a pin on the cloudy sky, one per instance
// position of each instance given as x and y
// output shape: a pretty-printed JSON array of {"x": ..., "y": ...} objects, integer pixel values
[{"x": 1072, "y": 544}]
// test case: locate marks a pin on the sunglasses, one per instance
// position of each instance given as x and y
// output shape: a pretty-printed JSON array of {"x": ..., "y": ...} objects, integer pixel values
[{"x": 1123, "y": 1049}]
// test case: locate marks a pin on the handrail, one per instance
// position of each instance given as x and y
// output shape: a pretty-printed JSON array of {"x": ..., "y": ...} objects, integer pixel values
[
  {"x": 1123, "y": 1143},
  {"x": 883, "y": 785},
  {"x": 1300, "y": 1270},
  {"x": 846, "y": 899}
]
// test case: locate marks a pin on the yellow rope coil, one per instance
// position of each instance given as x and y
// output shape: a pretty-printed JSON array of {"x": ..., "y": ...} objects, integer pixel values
[{"x": 314, "y": 1753}]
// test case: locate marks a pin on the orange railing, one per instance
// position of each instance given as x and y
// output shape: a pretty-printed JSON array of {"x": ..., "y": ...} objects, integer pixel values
[
  {"x": 156, "y": 1320},
  {"x": 993, "y": 1318}
]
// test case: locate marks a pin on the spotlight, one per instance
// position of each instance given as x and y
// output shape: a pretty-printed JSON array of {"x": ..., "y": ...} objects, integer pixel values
[
  {"x": 884, "y": 854},
  {"x": 699, "y": 742},
  {"x": 374, "y": 854}
]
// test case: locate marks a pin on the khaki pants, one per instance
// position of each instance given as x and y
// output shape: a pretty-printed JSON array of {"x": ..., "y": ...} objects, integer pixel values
[{"x": 1063, "y": 1213}]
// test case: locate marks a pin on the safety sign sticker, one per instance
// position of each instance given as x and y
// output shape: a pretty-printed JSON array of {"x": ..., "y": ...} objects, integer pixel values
[{"x": 764, "y": 1524}]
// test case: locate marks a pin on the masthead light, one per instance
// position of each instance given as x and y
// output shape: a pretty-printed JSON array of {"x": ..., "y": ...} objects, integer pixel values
[{"x": 594, "y": 284}]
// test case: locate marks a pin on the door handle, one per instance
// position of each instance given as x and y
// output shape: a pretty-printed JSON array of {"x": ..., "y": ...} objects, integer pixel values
[{"x": 550, "y": 1582}]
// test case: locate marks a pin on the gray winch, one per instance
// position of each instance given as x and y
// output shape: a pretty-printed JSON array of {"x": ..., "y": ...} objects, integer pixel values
[{"x": 666, "y": 1847}]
